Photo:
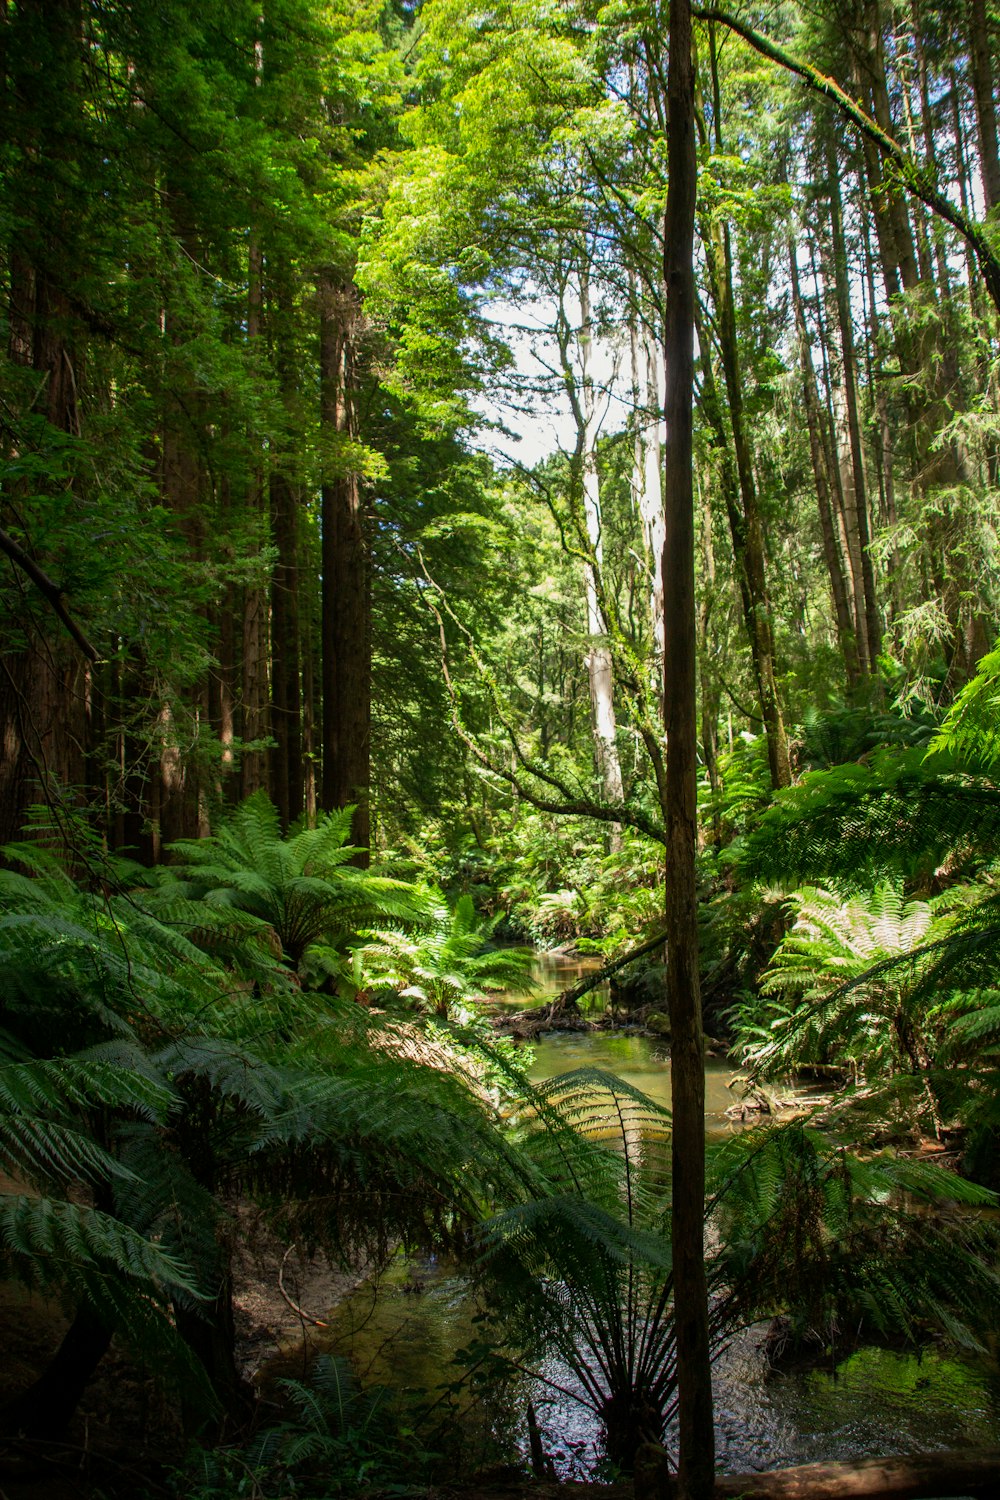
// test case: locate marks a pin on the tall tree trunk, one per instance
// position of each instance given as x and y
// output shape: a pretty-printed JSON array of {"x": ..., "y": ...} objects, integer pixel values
[
  {"x": 745, "y": 519},
  {"x": 696, "y": 1435},
  {"x": 45, "y": 684},
  {"x": 748, "y": 558},
  {"x": 647, "y": 473},
  {"x": 982, "y": 88},
  {"x": 346, "y": 593},
  {"x": 286, "y": 690},
  {"x": 599, "y": 664},
  {"x": 857, "y": 510},
  {"x": 256, "y": 623},
  {"x": 287, "y": 783},
  {"x": 831, "y": 550}
]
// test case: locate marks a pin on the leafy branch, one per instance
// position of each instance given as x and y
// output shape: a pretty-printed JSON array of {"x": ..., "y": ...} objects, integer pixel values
[
  {"x": 916, "y": 179},
  {"x": 568, "y": 801}
]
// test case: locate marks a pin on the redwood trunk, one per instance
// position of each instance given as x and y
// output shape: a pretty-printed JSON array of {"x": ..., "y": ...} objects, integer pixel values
[{"x": 346, "y": 598}]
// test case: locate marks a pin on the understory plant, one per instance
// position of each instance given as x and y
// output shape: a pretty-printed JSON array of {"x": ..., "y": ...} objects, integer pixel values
[
  {"x": 895, "y": 975},
  {"x": 578, "y": 1281},
  {"x": 300, "y": 888},
  {"x": 334, "y": 1439},
  {"x": 842, "y": 990},
  {"x": 442, "y": 965},
  {"x": 145, "y": 1083}
]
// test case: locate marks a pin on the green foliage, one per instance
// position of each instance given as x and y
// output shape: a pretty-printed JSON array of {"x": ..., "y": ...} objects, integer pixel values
[
  {"x": 852, "y": 1247},
  {"x": 334, "y": 1439},
  {"x": 904, "y": 813},
  {"x": 442, "y": 969},
  {"x": 841, "y": 987},
  {"x": 138, "y": 1068},
  {"x": 301, "y": 887},
  {"x": 584, "y": 1271}
]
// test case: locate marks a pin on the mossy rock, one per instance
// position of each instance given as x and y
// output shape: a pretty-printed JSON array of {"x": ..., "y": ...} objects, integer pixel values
[{"x": 658, "y": 1022}]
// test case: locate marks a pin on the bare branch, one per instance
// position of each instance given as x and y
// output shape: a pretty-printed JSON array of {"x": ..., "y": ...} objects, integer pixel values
[{"x": 49, "y": 590}]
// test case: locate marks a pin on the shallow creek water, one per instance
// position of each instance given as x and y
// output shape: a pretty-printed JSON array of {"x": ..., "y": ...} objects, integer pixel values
[{"x": 404, "y": 1331}]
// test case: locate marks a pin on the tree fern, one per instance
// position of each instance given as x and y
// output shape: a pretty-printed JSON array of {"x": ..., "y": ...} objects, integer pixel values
[
  {"x": 841, "y": 987},
  {"x": 847, "y": 1244},
  {"x": 301, "y": 887}
]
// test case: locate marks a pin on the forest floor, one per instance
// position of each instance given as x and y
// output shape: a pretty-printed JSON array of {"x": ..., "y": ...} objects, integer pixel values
[{"x": 127, "y": 1431}]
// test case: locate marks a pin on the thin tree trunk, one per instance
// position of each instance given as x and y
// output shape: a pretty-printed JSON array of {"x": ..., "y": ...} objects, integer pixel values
[
  {"x": 45, "y": 730},
  {"x": 982, "y": 88},
  {"x": 857, "y": 512},
  {"x": 745, "y": 520},
  {"x": 647, "y": 477},
  {"x": 599, "y": 664},
  {"x": 45, "y": 1410},
  {"x": 286, "y": 690},
  {"x": 696, "y": 1435},
  {"x": 748, "y": 560}
]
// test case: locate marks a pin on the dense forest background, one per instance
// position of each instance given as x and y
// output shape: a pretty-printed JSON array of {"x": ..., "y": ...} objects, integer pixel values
[
  {"x": 341, "y": 614},
  {"x": 268, "y": 270}
]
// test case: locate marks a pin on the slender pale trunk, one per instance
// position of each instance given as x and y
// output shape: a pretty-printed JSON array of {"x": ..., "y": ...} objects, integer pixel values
[
  {"x": 647, "y": 463},
  {"x": 599, "y": 664},
  {"x": 696, "y": 1435}
]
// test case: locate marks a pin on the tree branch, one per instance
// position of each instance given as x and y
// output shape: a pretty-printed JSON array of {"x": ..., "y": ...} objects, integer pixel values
[
  {"x": 916, "y": 179},
  {"x": 49, "y": 590}
]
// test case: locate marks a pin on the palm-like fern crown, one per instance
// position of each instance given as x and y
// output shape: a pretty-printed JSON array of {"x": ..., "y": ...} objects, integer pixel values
[
  {"x": 845, "y": 1242},
  {"x": 928, "y": 821},
  {"x": 841, "y": 985},
  {"x": 302, "y": 887}
]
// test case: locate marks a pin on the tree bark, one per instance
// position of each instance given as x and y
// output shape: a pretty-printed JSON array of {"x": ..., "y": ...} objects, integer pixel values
[
  {"x": 346, "y": 592},
  {"x": 857, "y": 513},
  {"x": 45, "y": 1410},
  {"x": 45, "y": 687},
  {"x": 600, "y": 670},
  {"x": 745, "y": 518},
  {"x": 831, "y": 549},
  {"x": 256, "y": 652},
  {"x": 982, "y": 88},
  {"x": 696, "y": 1436},
  {"x": 647, "y": 476}
]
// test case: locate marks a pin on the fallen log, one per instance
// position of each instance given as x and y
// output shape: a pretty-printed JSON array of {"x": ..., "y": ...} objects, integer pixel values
[
  {"x": 584, "y": 986},
  {"x": 917, "y": 1477}
]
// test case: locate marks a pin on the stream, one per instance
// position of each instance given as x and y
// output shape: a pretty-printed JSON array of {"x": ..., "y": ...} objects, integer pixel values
[{"x": 403, "y": 1332}]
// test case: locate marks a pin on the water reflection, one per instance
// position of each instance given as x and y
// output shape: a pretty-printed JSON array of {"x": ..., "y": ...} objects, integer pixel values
[
  {"x": 405, "y": 1332},
  {"x": 876, "y": 1402},
  {"x": 640, "y": 1060}
]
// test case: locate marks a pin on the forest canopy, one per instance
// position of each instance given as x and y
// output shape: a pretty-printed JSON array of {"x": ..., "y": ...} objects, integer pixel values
[{"x": 474, "y": 477}]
